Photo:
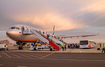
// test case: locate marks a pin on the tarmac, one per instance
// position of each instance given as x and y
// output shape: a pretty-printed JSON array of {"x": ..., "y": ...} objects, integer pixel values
[
  {"x": 45, "y": 58},
  {"x": 68, "y": 50},
  {"x": 53, "y": 59}
]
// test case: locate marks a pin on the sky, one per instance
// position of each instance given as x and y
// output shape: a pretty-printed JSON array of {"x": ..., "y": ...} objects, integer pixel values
[{"x": 70, "y": 17}]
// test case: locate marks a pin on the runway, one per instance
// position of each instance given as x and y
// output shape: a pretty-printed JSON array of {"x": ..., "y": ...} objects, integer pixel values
[{"x": 51, "y": 59}]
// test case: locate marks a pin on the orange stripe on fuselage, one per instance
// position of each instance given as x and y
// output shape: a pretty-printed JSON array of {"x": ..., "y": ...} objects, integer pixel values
[{"x": 27, "y": 40}]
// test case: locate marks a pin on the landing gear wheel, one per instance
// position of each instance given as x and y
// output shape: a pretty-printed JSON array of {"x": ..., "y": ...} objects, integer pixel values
[
  {"x": 34, "y": 48},
  {"x": 20, "y": 48},
  {"x": 7, "y": 48},
  {"x": 50, "y": 49}
]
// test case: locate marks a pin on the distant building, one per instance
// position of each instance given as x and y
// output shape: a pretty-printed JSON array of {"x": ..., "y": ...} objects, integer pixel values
[{"x": 4, "y": 41}]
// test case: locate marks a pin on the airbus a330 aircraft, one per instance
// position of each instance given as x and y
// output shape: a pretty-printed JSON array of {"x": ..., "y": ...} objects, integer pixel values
[{"x": 23, "y": 34}]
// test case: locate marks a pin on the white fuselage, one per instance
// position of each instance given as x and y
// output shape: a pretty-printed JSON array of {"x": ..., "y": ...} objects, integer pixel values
[{"x": 16, "y": 34}]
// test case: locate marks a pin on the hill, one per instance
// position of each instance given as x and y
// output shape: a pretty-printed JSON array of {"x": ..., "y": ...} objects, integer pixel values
[{"x": 4, "y": 41}]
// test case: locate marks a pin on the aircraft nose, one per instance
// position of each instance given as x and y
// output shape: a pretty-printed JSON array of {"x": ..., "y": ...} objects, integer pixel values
[
  {"x": 9, "y": 32},
  {"x": 12, "y": 32}
]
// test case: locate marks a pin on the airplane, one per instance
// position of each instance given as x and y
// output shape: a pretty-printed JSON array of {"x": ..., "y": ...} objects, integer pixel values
[{"x": 23, "y": 34}]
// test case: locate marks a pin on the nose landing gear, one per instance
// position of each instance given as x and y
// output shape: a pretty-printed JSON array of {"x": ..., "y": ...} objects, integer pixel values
[{"x": 20, "y": 45}]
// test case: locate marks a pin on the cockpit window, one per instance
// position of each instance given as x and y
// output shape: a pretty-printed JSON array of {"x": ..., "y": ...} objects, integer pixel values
[
  {"x": 12, "y": 27},
  {"x": 15, "y": 28}
]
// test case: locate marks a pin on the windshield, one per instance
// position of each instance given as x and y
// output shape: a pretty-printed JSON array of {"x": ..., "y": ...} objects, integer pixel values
[
  {"x": 12, "y": 28},
  {"x": 83, "y": 42},
  {"x": 15, "y": 28}
]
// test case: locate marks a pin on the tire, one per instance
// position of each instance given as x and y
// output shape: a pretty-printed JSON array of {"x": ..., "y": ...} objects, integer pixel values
[
  {"x": 20, "y": 48},
  {"x": 34, "y": 48},
  {"x": 50, "y": 49},
  {"x": 7, "y": 48},
  {"x": 98, "y": 48}
]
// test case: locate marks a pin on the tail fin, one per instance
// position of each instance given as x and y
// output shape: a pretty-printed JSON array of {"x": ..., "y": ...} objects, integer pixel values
[{"x": 53, "y": 30}]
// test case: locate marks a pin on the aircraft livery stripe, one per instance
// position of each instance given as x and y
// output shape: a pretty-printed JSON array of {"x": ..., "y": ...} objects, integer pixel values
[{"x": 27, "y": 40}]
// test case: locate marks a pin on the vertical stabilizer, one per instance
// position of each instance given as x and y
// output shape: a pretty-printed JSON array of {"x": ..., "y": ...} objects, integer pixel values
[{"x": 53, "y": 30}]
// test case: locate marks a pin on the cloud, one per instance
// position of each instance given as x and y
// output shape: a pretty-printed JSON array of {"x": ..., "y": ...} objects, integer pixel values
[
  {"x": 42, "y": 15},
  {"x": 64, "y": 14},
  {"x": 47, "y": 21}
]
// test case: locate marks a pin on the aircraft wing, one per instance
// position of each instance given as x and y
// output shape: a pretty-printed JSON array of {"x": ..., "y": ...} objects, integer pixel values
[{"x": 77, "y": 36}]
